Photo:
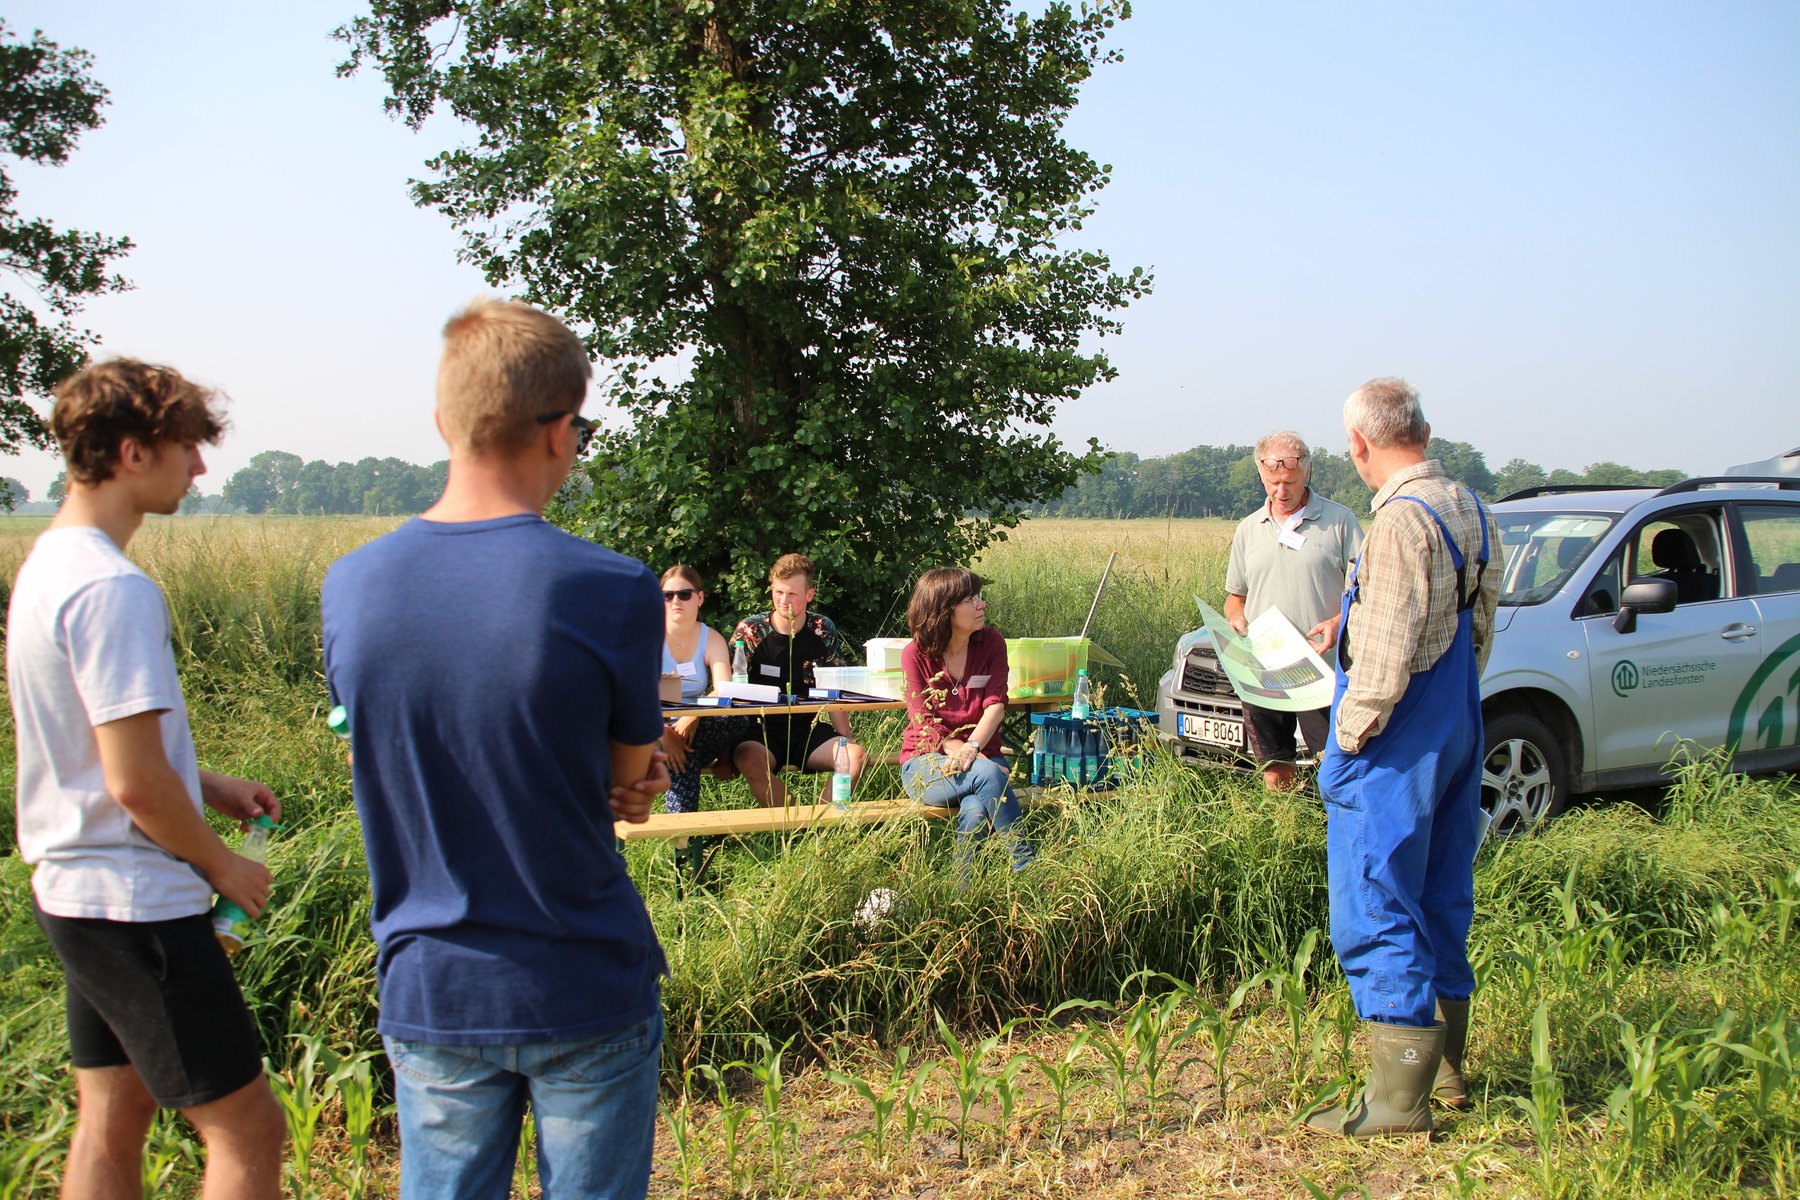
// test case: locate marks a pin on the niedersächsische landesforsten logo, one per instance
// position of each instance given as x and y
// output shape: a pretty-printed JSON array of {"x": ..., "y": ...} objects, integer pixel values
[{"x": 1625, "y": 677}]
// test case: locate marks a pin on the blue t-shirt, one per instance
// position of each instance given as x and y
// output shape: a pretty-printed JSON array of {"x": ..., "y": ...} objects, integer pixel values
[{"x": 485, "y": 665}]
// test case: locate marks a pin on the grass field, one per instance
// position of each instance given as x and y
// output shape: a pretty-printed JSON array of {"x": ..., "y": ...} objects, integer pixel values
[{"x": 1144, "y": 1013}]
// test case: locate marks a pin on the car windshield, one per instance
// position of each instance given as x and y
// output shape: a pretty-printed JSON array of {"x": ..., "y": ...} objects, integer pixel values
[{"x": 1543, "y": 549}]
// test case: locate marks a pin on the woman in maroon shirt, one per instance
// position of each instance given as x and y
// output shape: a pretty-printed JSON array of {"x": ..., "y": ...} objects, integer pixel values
[{"x": 955, "y": 700}]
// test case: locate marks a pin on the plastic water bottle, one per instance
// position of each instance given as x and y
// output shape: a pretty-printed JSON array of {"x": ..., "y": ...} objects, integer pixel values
[
  {"x": 1040, "y": 756},
  {"x": 840, "y": 774},
  {"x": 230, "y": 922},
  {"x": 1081, "y": 703},
  {"x": 740, "y": 663}
]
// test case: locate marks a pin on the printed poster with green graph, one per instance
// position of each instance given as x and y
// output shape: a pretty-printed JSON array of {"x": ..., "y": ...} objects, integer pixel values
[{"x": 1272, "y": 665}]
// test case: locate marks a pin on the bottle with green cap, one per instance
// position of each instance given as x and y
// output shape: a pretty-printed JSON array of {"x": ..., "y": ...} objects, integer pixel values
[
  {"x": 840, "y": 773},
  {"x": 230, "y": 922},
  {"x": 1081, "y": 703},
  {"x": 338, "y": 721},
  {"x": 740, "y": 663}
]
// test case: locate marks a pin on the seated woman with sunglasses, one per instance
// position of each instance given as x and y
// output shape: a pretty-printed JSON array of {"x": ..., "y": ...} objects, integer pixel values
[
  {"x": 700, "y": 656},
  {"x": 955, "y": 672}
]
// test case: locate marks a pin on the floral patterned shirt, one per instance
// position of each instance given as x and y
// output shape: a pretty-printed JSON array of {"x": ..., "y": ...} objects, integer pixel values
[{"x": 788, "y": 662}]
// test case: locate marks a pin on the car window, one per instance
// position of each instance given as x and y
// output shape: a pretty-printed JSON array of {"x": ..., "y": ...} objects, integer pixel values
[
  {"x": 1602, "y": 595},
  {"x": 1772, "y": 532},
  {"x": 1543, "y": 549},
  {"x": 1682, "y": 547}
]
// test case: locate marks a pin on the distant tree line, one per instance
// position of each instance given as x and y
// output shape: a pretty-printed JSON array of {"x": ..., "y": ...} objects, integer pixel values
[
  {"x": 278, "y": 482},
  {"x": 1222, "y": 481},
  {"x": 1206, "y": 481}
]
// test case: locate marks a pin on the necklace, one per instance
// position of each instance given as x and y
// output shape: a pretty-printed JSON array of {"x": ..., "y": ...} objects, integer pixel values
[
  {"x": 956, "y": 677},
  {"x": 676, "y": 651}
]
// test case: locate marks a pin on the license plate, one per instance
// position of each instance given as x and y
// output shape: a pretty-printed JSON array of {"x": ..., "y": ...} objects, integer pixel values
[{"x": 1210, "y": 729}]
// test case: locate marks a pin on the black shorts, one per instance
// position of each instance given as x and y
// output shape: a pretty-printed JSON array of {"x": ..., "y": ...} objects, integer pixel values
[
  {"x": 792, "y": 740},
  {"x": 158, "y": 996},
  {"x": 1271, "y": 732}
]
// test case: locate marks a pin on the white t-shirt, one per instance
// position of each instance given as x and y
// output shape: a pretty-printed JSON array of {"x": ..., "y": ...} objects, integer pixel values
[{"x": 87, "y": 642}]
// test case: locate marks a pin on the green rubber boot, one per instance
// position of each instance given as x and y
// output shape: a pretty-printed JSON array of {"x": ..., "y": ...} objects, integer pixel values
[
  {"x": 1449, "y": 1089},
  {"x": 1403, "y": 1062}
]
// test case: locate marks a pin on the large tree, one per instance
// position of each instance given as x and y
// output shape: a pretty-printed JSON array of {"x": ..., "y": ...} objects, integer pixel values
[
  {"x": 47, "y": 101},
  {"x": 824, "y": 249}
]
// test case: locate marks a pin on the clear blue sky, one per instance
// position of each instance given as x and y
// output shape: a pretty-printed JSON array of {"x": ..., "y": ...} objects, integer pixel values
[{"x": 1575, "y": 226}]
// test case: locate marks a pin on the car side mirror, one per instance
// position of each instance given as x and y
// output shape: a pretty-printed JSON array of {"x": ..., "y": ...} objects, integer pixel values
[{"x": 1644, "y": 595}]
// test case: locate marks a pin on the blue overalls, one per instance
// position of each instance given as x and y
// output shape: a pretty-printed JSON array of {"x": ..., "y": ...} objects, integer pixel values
[{"x": 1403, "y": 821}]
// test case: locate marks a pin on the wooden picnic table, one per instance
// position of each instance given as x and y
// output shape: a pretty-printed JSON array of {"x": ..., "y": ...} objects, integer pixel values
[{"x": 678, "y": 828}]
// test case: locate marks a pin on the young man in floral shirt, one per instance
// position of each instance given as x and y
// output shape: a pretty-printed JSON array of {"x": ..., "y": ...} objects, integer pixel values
[{"x": 784, "y": 645}]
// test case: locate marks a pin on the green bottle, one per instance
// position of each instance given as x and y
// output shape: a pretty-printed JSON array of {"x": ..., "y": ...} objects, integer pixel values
[{"x": 230, "y": 922}]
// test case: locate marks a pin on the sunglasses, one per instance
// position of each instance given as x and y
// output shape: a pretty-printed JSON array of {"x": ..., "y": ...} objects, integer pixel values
[
  {"x": 681, "y": 594},
  {"x": 1289, "y": 463},
  {"x": 584, "y": 428}
]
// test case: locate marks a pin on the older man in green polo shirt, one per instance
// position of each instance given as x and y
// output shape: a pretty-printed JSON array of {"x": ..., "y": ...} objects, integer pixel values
[{"x": 1291, "y": 555}]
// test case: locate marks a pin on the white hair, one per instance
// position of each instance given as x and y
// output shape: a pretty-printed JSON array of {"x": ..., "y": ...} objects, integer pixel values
[{"x": 1387, "y": 412}]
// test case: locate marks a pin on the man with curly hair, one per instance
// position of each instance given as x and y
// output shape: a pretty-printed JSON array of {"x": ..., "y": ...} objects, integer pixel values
[{"x": 110, "y": 800}]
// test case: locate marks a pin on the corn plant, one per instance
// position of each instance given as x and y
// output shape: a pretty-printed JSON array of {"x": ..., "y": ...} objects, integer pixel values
[
  {"x": 304, "y": 1090},
  {"x": 1217, "y": 1028},
  {"x": 968, "y": 1073},
  {"x": 525, "y": 1158},
  {"x": 1630, "y": 1104},
  {"x": 171, "y": 1148},
  {"x": 1770, "y": 1054},
  {"x": 1545, "y": 1108},
  {"x": 882, "y": 1096},
  {"x": 1288, "y": 985},
  {"x": 1059, "y": 1072},
  {"x": 685, "y": 1130},
  {"x": 731, "y": 1121},
  {"x": 781, "y": 1133},
  {"x": 353, "y": 1082},
  {"x": 914, "y": 1116},
  {"x": 1155, "y": 1039}
]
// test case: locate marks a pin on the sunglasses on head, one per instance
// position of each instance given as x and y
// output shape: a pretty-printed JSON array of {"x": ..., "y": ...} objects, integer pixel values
[
  {"x": 584, "y": 428},
  {"x": 681, "y": 594},
  {"x": 1286, "y": 463}
]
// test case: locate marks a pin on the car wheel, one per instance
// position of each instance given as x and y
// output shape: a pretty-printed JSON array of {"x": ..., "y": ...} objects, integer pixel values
[{"x": 1524, "y": 779}]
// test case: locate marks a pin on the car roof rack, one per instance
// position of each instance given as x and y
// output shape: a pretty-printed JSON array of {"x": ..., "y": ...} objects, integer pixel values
[
  {"x": 1557, "y": 489},
  {"x": 1783, "y": 482}
]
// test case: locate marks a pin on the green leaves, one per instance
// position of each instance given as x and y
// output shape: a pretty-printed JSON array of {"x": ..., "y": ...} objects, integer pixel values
[
  {"x": 837, "y": 221},
  {"x": 47, "y": 101}
]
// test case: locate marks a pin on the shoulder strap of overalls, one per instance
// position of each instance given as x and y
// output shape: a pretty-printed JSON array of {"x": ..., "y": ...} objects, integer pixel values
[{"x": 1465, "y": 596}]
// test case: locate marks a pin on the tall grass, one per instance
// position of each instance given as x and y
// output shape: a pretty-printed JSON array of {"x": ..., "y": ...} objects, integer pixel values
[{"x": 1662, "y": 952}]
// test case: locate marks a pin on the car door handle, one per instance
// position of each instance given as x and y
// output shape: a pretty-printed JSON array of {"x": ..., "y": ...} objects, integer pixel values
[{"x": 1737, "y": 632}]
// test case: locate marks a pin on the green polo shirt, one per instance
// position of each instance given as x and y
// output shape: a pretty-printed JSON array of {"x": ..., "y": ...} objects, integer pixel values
[{"x": 1303, "y": 584}]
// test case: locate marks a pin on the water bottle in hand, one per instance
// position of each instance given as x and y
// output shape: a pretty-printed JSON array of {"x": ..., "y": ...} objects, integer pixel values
[{"x": 230, "y": 922}]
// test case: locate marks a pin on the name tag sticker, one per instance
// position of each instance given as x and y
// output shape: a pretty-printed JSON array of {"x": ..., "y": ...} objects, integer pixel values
[
  {"x": 686, "y": 669},
  {"x": 770, "y": 670},
  {"x": 979, "y": 681},
  {"x": 1291, "y": 539}
]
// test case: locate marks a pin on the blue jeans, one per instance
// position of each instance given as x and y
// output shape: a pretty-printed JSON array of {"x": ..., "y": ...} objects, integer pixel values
[
  {"x": 462, "y": 1107},
  {"x": 982, "y": 794}
]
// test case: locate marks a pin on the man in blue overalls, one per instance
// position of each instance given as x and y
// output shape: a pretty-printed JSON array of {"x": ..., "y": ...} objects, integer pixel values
[{"x": 1401, "y": 774}]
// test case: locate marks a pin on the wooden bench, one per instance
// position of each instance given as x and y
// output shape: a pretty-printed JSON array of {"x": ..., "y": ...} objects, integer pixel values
[{"x": 733, "y": 822}]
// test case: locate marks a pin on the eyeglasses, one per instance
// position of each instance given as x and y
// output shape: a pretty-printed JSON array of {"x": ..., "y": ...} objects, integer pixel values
[
  {"x": 584, "y": 428},
  {"x": 977, "y": 598},
  {"x": 1288, "y": 463},
  {"x": 681, "y": 594}
]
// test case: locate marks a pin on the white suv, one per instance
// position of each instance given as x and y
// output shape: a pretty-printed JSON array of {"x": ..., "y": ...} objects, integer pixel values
[{"x": 1632, "y": 622}]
